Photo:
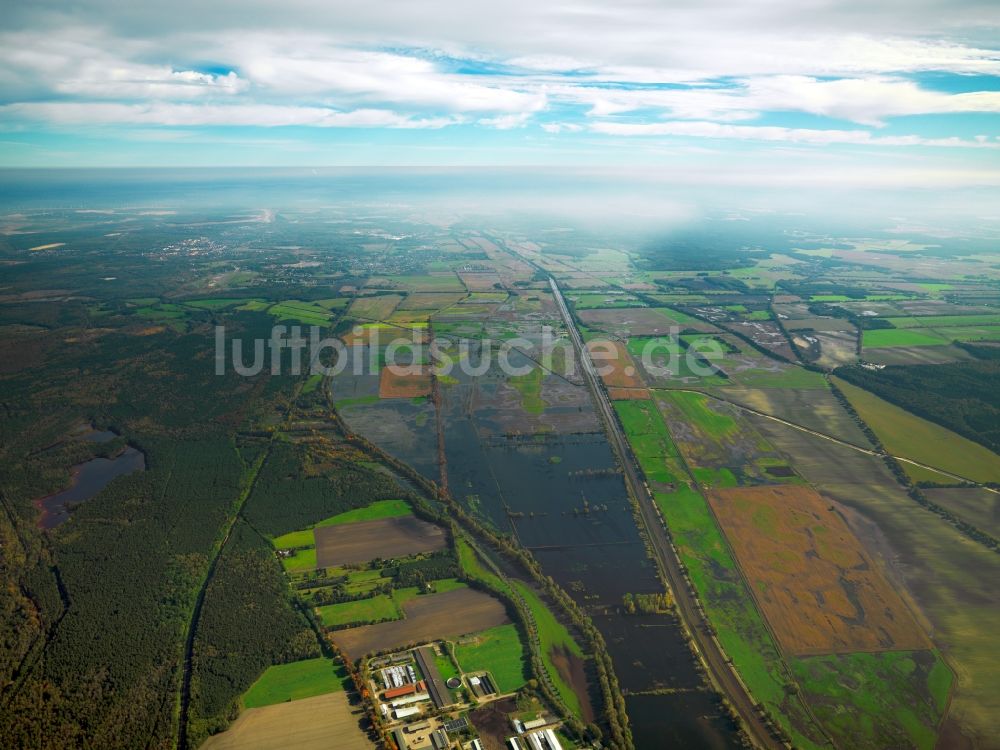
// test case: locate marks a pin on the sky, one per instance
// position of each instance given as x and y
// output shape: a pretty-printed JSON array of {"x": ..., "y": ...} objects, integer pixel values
[{"x": 803, "y": 93}]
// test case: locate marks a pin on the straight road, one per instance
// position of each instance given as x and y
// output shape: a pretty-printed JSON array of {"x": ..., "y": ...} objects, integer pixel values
[{"x": 722, "y": 674}]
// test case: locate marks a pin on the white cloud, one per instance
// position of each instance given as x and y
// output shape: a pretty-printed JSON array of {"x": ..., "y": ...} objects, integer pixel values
[
  {"x": 868, "y": 101},
  {"x": 774, "y": 134},
  {"x": 559, "y": 127},
  {"x": 176, "y": 115},
  {"x": 506, "y": 122}
]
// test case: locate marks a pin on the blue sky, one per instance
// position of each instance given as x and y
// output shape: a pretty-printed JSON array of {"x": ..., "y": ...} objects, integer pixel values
[{"x": 759, "y": 92}]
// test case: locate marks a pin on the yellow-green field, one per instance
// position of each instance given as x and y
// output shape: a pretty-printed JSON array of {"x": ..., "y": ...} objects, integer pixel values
[{"x": 908, "y": 436}]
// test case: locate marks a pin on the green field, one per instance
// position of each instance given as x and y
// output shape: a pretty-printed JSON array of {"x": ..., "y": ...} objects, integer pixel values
[
  {"x": 648, "y": 437},
  {"x": 500, "y": 652},
  {"x": 304, "y": 559},
  {"x": 695, "y": 407},
  {"x": 905, "y": 694},
  {"x": 381, "y": 607},
  {"x": 953, "y": 321},
  {"x": 907, "y": 435},
  {"x": 373, "y": 512},
  {"x": 213, "y": 304},
  {"x": 302, "y": 538},
  {"x": 299, "y": 679},
  {"x": 879, "y": 338},
  {"x": 303, "y": 312}
]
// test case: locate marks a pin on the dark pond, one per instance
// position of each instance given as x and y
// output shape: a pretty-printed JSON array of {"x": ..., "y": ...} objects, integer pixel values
[{"x": 89, "y": 478}]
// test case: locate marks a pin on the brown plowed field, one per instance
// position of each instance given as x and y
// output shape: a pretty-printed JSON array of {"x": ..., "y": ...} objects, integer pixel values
[
  {"x": 366, "y": 540},
  {"x": 427, "y": 618},
  {"x": 404, "y": 385},
  {"x": 614, "y": 364},
  {"x": 819, "y": 590}
]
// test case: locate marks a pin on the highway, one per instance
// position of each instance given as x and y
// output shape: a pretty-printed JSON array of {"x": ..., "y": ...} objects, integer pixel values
[{"x": 721, "y": 673}]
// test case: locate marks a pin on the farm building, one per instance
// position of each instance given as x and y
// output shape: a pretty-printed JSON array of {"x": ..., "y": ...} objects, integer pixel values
[
  {"x": 456, "y": 725},
  {"x": 435, "y": 685},
  {"x": 399, "y": 692},
  {"x": 405, "y": 711},
  {"x": 410, "y": 700},
  {"x": 400, "y": 739}
]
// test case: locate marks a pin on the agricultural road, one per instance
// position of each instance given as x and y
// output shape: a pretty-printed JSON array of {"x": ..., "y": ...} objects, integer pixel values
[{"x": 723, "y": 675}]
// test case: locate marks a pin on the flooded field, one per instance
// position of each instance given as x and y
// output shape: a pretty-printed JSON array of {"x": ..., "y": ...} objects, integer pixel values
[{"x": 89, "y": 478}]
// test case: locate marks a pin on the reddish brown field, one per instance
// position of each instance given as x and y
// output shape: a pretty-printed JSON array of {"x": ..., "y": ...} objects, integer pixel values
[
  {"x": 366, "y": 540},
  {"x": 399, "y": 385},
  {"x": 819, "y": 590},
  {"x": 615, "y": 364},
  {"x": 427, "y": 618},
  {"x": 628, "y": 394}
]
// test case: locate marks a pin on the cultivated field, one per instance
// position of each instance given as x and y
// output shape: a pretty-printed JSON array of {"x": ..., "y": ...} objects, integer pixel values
[
  {"x": 309, "y": 724},
  {"x": 294, "y": 681},
  {"x": 614, "y": 363},
  {"x": 641, "y": 321},
  {"x": 818, "y": 588},
  {"x": 908, "y": 436},
  {"x": 378, "y": 307},
  {"x": 404, "y": 384},
  {"x": 366, "y": 540},
  {"x": 435, "y": 616}
]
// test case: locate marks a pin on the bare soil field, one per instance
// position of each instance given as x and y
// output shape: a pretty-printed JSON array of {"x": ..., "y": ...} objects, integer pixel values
[
  {"x": 615, "y": 364},
  {"x": 366, "y": 540},
  {"x": 435, "y": 616},
  {"x": 309, "y": 724},
  {"x": 819, "y": 590},
  {"x": 404, "y": 385}
]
